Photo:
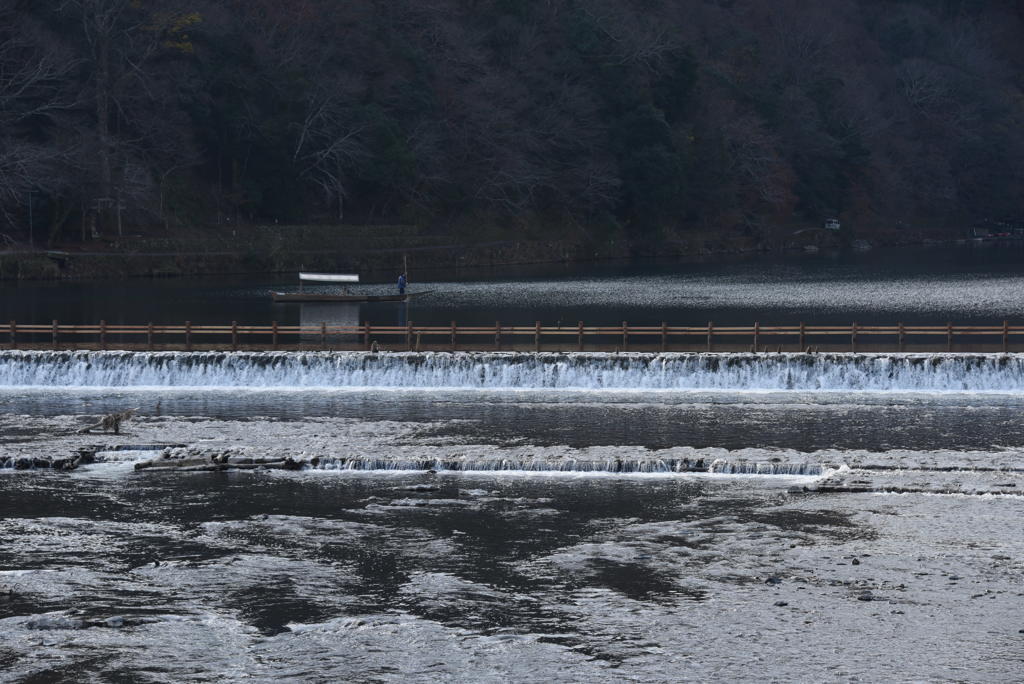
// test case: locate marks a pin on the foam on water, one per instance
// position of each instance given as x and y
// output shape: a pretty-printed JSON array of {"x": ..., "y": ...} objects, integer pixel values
[{"x": 1003, "y": 373}]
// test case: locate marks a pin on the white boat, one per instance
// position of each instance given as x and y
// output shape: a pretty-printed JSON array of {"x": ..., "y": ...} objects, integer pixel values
[{"x": 343, "y": 296}]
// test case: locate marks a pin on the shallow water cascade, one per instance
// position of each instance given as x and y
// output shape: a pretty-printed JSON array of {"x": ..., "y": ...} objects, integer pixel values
[
  {"x": 521, "y": 371},
  {"x": 511, "y": 517}
]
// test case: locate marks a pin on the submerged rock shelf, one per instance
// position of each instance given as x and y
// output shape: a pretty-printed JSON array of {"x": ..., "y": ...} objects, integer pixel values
[
  {"x": 817, "y": 478},
  {"x": 326, "y": 446}
]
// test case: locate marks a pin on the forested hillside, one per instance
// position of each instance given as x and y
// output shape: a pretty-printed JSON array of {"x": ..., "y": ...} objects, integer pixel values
[{"x": 641, "y": 117}]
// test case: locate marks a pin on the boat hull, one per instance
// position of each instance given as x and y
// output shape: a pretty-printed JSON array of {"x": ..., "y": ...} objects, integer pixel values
[{"x": 313, "y": 297}]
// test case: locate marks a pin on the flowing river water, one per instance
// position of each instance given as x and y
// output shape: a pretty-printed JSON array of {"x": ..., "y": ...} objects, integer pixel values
[{"x": 518, "y": 517}]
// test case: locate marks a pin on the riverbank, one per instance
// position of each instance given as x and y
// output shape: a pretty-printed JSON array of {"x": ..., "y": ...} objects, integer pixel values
[{"x": 362, "y": 249}]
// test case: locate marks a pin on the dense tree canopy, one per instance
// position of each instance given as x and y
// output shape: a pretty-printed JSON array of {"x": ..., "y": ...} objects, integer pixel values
[{"x": 640, "y": 114}]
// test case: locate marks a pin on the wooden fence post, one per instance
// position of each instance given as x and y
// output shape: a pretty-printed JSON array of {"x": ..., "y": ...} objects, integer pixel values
[
  {"x": 579, "y": 336},
  {"x": 536, "y": 337},
  {"x": 803, "y": 337},
  {"x": 949, "y": 336},
  {"x": 419, "y": 336},
  {"x": 103, "y": 335},
  {"x": 14, "y": 335},
  {"x": 853, "y": 337},
  {"x": 625, "y": 336},
  {"x": 323, "y": 335},
  {"x": 273, "y": 334},
  {"x": 664, "y": 336},
  {"x": 711, "y": 333},
  {"x": 757, "y": 336},
  {"x": 453, "y": 335},
  {"x": 408, "y": 335},
  {"x": 149, "y": 336},
  {"x": 55, "y": 333},
  {"x": 497, "y": 335},
  {"x": 234, "y": 335},
  {"x": 188, "y": 335},
  {"x": 1006, "y": 336},
  {"x": 902, "y": 337}
]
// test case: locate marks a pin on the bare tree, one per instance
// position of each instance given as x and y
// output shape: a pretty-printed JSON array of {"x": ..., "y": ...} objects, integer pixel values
[
  {"x": 32, "y": 92},
  {"x": 754, "y": 161},
  {"x": 329, "y": 145},
  {"x": 636, "y": 38},
  {"x": 103, "y": 22},
  {"x": 135, "y": 128}
]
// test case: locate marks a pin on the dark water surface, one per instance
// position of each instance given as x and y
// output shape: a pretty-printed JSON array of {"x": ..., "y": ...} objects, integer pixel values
[
  {"x": 119, "y": 576},
  {"x": 983, "y": 283},
  {"x": 803, "y": 422},
  {"x": 279, "y": 553}
]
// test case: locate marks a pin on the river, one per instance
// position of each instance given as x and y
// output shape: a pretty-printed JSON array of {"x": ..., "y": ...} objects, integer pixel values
[
  {"x": 517, "y": 517},
  {"x": 973, "y": 283}
]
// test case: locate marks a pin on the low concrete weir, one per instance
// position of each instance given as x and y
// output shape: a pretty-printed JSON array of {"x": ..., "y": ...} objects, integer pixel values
[
  {"x": 516, "y": 370},
  {"x": 161, "y": 460},
  {"x": 535, "y": 465},
  {"x": 572, "y": 466}
]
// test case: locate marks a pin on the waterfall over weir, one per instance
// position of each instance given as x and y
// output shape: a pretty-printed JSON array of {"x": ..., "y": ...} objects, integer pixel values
[
  {"x": 573, "y": 465},
  {"x": 510, "y": 370}
]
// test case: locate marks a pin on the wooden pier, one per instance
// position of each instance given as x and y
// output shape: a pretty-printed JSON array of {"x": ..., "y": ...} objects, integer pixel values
[{"x": 236, "y": 336}]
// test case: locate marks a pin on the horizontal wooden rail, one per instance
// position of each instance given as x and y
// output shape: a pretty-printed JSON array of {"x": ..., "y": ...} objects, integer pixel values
[{"x": 478, "y": 337}]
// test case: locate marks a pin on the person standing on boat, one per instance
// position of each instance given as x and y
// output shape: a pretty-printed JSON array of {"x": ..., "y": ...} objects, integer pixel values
[{"x": 401, "y": 284}]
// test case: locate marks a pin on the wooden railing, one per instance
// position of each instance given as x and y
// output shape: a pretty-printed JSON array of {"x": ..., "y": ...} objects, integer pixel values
[{"x": 537, "y": 337}]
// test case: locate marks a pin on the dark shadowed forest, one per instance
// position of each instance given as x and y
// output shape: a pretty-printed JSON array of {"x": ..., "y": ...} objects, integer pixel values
[{"x": 639, "y": 118}]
